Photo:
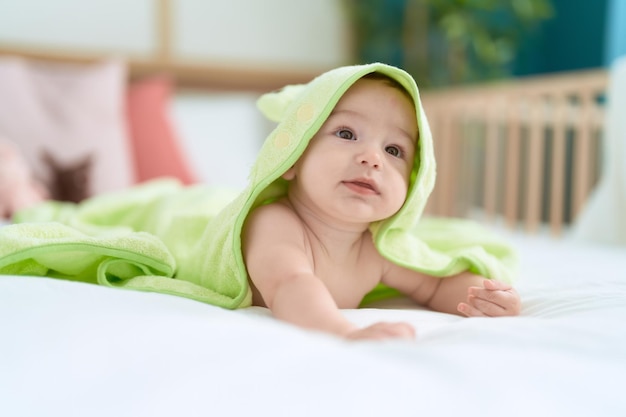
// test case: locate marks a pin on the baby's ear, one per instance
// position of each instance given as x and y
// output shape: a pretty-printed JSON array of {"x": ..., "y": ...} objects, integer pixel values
[{"x": 289, "y": 174}]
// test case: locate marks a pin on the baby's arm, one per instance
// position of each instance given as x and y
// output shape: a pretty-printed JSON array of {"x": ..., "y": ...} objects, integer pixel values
[
  {"x": 305, "y": 301},
  {"x": 465, "y": 293},
  {"x": 281, "y": 271}
]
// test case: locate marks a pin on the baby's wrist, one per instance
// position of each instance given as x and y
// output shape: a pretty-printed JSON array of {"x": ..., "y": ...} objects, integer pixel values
[{"x": 348, "y": 330}]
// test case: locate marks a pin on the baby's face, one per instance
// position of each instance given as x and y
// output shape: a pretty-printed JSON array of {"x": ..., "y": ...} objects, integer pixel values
[{"x": 358, "y": 164}]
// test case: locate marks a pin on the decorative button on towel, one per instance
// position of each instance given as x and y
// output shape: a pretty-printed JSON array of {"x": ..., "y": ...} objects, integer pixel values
[
  {"x": 281, "y": 140},
  {"x": 305, "y": 112}
]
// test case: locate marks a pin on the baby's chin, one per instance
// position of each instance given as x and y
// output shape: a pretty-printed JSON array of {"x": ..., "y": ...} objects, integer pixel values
[{"x": 364, "y": 217}]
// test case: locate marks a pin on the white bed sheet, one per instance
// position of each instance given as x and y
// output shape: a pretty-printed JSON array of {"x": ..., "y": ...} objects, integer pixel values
[{"x": 73, "y": 349}]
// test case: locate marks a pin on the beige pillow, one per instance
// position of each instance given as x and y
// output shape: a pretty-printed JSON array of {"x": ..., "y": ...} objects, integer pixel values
[{"x": 73, "y": 113}]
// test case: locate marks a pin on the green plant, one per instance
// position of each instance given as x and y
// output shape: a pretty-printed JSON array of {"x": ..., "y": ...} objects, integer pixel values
[{"x": 445, "y": 42}]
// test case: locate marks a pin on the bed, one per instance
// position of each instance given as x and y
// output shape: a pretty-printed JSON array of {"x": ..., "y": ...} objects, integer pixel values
[{"x": 77, "y": 349}]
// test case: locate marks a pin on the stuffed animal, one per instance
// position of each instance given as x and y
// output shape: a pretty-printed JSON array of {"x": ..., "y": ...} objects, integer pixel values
[
  {"x": 18, "y": 188},
  {"x": 68, "y": 182}
]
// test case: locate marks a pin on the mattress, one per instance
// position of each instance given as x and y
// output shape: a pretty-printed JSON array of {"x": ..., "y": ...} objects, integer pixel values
[{"x": 76, "y": 349}]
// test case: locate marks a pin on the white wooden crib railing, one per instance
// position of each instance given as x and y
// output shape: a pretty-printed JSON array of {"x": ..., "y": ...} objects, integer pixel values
[{"x": 526, "y": 152}]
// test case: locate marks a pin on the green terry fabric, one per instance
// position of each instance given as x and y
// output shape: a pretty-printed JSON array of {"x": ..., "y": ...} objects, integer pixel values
[
  {"x": 151, "y": 237},
  {"x": 187, "y": 241}
]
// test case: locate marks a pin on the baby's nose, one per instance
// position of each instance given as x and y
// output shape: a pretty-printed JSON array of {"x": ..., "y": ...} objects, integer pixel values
[{"x": 371, "y": 157}]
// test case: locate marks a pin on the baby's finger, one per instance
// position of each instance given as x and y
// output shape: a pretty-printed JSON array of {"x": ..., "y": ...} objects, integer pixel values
[
  {"x": 504, "y": 291},
  {"x": 469, "y": 310},
  {"x": 493, "y": 285},
  {"x": 493, "y": 296},
  {"x": 487, "y": 308}
]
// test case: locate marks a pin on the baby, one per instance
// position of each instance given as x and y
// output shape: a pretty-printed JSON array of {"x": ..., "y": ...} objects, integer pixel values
[
  {"x": 330, "y": 214},
  {"x": 311, "y": 253}
]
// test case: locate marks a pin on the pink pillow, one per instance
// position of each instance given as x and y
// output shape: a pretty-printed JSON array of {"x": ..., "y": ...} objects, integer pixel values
[
  {"x": 62, "y": 116},
  {"x": 156, "y": 149}
]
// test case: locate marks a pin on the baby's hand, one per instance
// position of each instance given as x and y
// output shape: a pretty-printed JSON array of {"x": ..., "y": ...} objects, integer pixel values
[
  {"x": 493, "y": 299},
  {"x": 383, "y": 330}
]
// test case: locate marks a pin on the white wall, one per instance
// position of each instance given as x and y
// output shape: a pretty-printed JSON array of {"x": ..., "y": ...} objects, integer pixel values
[
  {"x": 297, "y": 33},
  {"x": 221, "y": 134},
  {"x": 301, "y": 32},
  {"x": 121, "y": 26}
]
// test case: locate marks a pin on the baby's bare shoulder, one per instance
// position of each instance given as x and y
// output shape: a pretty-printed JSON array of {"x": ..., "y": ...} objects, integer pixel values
[
  {"x": 272, "y": 221},
  {"x": 272, "y": 213}
]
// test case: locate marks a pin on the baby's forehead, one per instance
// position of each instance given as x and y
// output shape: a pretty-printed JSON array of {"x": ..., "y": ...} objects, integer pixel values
[
  {"x": 389, "y": 81},
  {"x": 376, "y": 81},
  {"x": 363, "y": 91}
]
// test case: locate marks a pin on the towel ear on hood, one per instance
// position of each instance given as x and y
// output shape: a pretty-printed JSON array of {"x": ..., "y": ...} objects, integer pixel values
[{"x": 274, "y": 104}]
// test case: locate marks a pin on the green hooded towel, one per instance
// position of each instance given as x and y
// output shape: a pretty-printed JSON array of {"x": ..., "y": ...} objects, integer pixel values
[{"x": 186, "y": 241}]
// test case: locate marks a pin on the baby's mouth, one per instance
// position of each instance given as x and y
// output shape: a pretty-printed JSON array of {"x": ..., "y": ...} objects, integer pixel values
[{"x": 362, "y": 186}]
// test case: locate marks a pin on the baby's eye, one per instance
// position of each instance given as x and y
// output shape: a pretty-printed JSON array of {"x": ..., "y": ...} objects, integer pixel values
[
  {"x": 394, "y": 151},
  {"x": 345, "y": 134}
]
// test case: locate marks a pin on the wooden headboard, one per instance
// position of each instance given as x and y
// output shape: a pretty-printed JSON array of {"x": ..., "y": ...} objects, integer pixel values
[{"x": 186, "y": 75}]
